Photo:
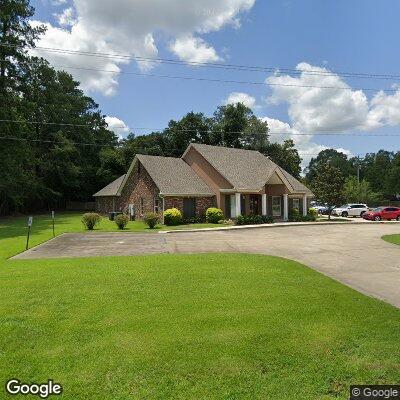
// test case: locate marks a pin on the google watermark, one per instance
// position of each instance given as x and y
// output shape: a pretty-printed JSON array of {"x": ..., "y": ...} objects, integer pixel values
[
  {"x": 375, "y": 392},
  {"x": 42, "y": 390}
]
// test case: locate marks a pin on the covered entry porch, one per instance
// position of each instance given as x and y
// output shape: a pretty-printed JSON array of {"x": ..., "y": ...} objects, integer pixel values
[{"x": 272, "y": 204}]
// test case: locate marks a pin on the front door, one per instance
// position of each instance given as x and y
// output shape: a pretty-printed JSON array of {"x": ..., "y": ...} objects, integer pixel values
[
  {"x": 189, "y": 207},
  {"x": 255, "y": 204}
]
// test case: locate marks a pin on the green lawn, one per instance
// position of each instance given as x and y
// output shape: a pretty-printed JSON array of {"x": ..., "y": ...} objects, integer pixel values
[
  {"x": 395, "y": 239},
  {"x": 12, "y": 228},
  {"x": 216, "y": 326}
]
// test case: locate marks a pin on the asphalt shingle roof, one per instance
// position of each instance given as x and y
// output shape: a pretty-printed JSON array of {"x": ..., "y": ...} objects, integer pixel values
[
  {"x": 173, "y": 176},
  {"x": 111, "y": 189},
  {"x": 244, "y": 169}
]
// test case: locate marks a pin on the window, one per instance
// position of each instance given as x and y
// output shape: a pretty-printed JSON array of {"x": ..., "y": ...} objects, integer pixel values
[
  {"x": 157, "y": 204},
  {"x": 296, "y": 204},
  {"x": 276, "y": 206},
  {"x": 142, "y": 206}
]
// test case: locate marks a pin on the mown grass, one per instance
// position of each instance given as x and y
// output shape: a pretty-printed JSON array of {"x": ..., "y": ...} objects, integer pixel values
[
  {"x": 13, "y": 230},
  {"x": 395, "y": 239},
  {"x": 216, "y": 326}
]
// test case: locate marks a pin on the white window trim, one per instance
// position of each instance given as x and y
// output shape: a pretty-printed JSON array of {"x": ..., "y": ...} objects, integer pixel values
[
  {"x": 274, "y": 214},
  {"x": 298, "y": 203}
]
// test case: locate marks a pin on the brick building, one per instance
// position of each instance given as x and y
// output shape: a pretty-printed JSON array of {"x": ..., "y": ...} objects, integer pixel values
[{"x": 237, "y": 181}]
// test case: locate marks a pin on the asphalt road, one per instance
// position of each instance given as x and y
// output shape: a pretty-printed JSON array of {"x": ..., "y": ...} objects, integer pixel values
[{"x": 353, "y": 254}]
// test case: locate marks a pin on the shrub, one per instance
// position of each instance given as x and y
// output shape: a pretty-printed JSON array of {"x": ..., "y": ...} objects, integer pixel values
[
  {"x": 253, "y": 220},
  {"x": 295, "y": 215},
  {"x": 214, "y": 215},
  {"x": 90, "y": 220},
  {"x": 312, "y": 214},
  {"x": 151, "y": 219},
  {"x": 267, "y": 220},
  {"x": 121, "y": 220},
  {"x": 249, "y": 220},
  {"x": 172, "y": 216}
]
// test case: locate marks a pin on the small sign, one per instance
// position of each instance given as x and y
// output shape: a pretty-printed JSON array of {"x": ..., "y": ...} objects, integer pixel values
[
  {"x": 30, "y": 219},
  {"x": 52, "y": 214}
]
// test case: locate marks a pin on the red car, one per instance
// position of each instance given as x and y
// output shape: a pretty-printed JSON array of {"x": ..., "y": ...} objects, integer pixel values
[{"x": 380, "y": 213}]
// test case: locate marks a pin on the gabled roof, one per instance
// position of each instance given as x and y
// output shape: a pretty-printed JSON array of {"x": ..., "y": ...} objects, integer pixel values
[
  {"x": 111, "y": 189},
  {"x": 245, "y": 169},
  {"x": 173, "y": 176}
]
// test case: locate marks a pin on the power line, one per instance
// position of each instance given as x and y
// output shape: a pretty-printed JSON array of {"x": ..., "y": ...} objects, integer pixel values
[
  {"x": 51, "y": 141},
  {"x": 252, "y": 68},
  {"x": 206, "y": 131},
  {"x": 105, "y": 145},
  {"x": 192, "y": 78},
  {"x": 226, "y": 80}
]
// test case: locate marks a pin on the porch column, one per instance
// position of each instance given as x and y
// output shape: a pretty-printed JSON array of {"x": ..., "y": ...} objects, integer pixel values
[
  {"x": 304, "y": 205},
  {"x": 238, "y": 205},
  {"x": 285, "y": 207},
  {"x": 264, "y": 204}
]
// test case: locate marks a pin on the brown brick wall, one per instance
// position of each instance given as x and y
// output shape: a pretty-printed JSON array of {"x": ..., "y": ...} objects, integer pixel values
[
  {"x": 139, "y": 185},
  {"x": 104, "y": 204},
  {"x": 202, "y": 203}
]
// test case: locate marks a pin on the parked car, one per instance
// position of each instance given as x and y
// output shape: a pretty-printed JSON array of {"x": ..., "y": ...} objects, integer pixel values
[
  {"x": 380, "y": 213},
  {"x": 327, "y": 210},
  {"x": 319, "y": 208},
  {"x": 350, "y": 210}
]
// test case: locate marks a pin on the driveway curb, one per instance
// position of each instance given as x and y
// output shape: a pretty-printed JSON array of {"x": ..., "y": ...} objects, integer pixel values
[{"x": 276, "y": 225}]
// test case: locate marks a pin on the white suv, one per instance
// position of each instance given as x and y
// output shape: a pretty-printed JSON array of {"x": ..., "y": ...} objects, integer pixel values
[{"x": 350, "y": 210}]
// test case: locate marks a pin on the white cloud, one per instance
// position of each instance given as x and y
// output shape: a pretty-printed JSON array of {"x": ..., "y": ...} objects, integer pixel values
[
  {"x": 58, "y": 2},
  {"x": 303, "y": 142},
  {"x": 117, "y": 126},
  {"x": 385, "y": 109},
  {"x": 129, "y": 27},
  {"x": 67, "y": 17},
  {"x": 240, "y": 97},
  {"x": 315, "y": 109},
  {"x": 194, "y": 49}
]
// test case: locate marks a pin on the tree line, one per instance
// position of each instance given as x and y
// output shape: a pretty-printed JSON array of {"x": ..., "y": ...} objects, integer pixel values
[
  {"x": 55, "y": 145},
  {"x": 336, "y": 178}
]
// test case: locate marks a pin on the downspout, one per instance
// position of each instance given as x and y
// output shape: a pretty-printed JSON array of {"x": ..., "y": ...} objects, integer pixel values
[{"x": 163, "y": 207}]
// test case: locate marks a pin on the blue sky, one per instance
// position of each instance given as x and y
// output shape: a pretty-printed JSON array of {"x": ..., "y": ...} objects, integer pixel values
[{"x": 337, "y": 36}]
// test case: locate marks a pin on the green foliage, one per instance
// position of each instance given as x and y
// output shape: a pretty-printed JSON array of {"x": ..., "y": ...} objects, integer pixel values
[
  {"x": 360, "y": 192},
  {"x": 172, "y": 216},
  {"x": 312, "y": 213},
  {"x": 90, "y": 220},
  {"x": 121, "y": 220},
  {"x": 253, "y": 220},
  {"x": 151, "y": 219},
  {"x": 286, "y": 156},
  {"x": 214, "y": 215},
  {"x": 328, "y": 185},
  {"x": 295, "y": 215},
  {"x": 332, "y": 157}
]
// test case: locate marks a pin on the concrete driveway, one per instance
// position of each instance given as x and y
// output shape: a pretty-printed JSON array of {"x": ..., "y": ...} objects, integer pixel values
[{"x": 353, "y": 254}]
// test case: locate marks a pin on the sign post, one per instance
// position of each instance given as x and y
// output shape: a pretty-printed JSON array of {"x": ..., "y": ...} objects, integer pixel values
[
  {"x": 30, "y": 219},
  {"x": 52, "y": 217}
]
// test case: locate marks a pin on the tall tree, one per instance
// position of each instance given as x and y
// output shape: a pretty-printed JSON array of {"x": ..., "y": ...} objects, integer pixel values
[
  {"x": 327, "y": 185},
  {"x": 360, "y": 191},
  {"x": 286, "y": 156},
  {"x": 335, "y": 158},
  {"x": 15, "y": 34},
  {"x": 193, "y": 127},
  {"x": 230, "y": 122}
]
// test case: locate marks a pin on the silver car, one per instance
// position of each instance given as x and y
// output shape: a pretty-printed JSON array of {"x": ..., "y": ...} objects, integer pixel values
[{"x": 350, "y": 210}]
